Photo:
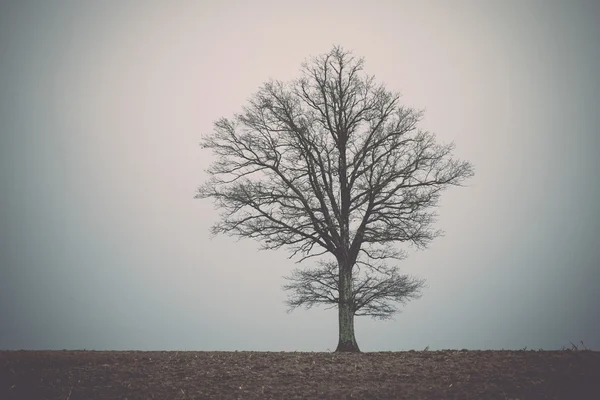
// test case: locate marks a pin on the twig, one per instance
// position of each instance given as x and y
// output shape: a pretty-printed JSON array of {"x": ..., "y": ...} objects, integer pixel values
[
  {"x": 574, "y": 347},
  {"x": 71, "y": 390}
]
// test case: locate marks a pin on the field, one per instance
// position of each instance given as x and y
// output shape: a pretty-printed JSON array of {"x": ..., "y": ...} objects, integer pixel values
[{"x": 447, "y": 374}]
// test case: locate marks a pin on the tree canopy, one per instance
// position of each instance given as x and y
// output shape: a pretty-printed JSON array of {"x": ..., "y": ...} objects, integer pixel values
[{"x": 332, "y": 164}]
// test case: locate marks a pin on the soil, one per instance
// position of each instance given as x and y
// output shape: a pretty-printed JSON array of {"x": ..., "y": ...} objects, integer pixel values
[{"x": 447, "y": 374}]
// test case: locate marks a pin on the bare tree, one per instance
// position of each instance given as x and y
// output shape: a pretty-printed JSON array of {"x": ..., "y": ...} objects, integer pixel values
[{"x": 332, "y": 164}]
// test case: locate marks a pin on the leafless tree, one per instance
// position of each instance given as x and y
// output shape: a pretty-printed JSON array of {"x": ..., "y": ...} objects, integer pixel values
[{"x": 332, "y": 164}]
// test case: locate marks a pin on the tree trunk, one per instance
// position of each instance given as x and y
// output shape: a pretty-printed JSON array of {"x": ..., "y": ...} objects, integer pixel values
[{"x": 347, "y": 341}]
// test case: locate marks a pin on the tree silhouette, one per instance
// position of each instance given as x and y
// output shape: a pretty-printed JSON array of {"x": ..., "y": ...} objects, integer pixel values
[{"x": 332, "y": 166}]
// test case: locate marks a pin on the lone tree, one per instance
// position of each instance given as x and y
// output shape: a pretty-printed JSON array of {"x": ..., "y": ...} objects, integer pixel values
[{"x": 332, "y": 164}]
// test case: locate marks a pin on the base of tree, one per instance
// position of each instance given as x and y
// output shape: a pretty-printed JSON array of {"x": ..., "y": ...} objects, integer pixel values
[{"x": 347, "y": 347}]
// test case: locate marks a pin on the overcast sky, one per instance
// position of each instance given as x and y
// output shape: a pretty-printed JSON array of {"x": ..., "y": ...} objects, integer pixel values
[{"x": 102, "y": 106}]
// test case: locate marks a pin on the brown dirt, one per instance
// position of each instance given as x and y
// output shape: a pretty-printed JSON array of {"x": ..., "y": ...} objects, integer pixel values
[{"x": 447, "y": 374}]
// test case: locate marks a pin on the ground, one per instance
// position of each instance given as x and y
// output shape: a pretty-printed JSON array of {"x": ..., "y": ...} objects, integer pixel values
[{"x": 447, "y": 374}]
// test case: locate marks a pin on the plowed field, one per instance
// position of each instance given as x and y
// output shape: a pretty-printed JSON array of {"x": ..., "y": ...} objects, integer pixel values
[{"x": 447, "y": 374}]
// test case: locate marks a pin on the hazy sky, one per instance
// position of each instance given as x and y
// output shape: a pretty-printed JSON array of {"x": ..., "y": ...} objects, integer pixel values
[{"x": 102, "y": 106}]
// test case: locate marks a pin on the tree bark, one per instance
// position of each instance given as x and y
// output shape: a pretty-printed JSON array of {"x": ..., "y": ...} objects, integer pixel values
[{"x": 347, "y": 340}]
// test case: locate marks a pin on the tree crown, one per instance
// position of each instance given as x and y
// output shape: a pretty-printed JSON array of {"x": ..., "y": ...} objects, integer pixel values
[{"x": 330, "y": 163}]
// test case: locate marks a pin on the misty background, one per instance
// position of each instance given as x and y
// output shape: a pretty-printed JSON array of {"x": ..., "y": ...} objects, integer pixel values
[{"x": 102, "y": 106}]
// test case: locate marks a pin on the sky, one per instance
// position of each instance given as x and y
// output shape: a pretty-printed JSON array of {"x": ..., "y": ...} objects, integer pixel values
[{"x": 102, "y": 107}]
